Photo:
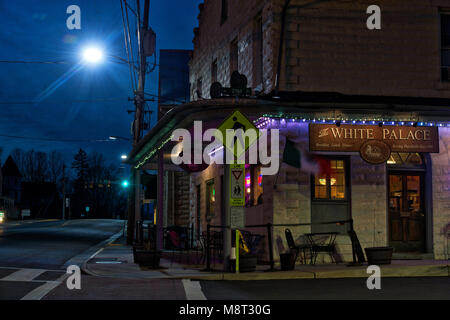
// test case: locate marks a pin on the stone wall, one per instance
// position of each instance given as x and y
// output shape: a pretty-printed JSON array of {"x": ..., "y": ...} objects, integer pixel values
[
  {"x": 369, "y": 204},
  {"x": 441, "y": 195}
]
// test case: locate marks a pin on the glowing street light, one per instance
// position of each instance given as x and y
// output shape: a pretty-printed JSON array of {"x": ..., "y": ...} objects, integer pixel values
[
  {"x": 92, "y": 55},
  {"x": 123, "y": 157}
]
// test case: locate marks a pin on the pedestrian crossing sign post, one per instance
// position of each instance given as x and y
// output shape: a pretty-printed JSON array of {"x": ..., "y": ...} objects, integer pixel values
[
  {"x": 237, "y": 189},
  {"x": 237, "y": 120}
]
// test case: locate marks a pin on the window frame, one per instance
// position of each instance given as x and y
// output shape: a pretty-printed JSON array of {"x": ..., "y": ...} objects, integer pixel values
[{"x": 346, "y": 198}]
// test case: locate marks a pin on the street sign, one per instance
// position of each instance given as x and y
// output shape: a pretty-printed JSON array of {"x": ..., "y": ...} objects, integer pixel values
[
  {"x": 237, "y": 188},
  {"x": 235, "y": 121},
  {"x": 26, "y": 212},
  {"x": 237, "y": 217}
]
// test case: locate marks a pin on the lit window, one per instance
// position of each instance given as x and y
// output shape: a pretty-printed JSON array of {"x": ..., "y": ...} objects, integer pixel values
[
  {"x": 210, "y": 197},
  {"x": 331, "y": 186}
]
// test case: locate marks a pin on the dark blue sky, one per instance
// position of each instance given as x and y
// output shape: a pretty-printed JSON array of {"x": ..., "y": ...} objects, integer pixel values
[{"x": 34, "y": 30}]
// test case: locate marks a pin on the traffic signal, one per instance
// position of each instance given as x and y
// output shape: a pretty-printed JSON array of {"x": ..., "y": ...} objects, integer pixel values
[{"x": 125, "y": 183}]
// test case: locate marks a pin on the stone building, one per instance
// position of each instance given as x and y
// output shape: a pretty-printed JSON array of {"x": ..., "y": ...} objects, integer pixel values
[{"x": 335, "y": 89}]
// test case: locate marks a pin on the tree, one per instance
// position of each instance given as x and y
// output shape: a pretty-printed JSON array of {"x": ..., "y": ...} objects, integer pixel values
[
  {"x": 81, "y": 166},
  {"x": 55, "y": 166}
]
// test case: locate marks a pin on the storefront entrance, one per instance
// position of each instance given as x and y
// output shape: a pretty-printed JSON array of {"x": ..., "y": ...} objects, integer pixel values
[{"x": 406, "y": 205}]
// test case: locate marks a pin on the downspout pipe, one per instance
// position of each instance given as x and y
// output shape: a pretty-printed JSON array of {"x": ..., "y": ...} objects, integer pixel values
[
  {"x": 280, "y": 47},
  {"x": 283, "y": 25}
]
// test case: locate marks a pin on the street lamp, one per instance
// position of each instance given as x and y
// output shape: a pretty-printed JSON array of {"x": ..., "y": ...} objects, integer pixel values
[
  {"x": 123, "y": 157},
  {"x": 118, "y": 138},
  {"x": 92, "y": 55}
]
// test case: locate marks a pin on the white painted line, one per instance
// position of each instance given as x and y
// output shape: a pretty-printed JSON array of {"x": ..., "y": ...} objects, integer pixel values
[
  {"x": 23, "y": 275},
  {"x": 96, "y": 253},
  {"x": 193, "y": 290},
  {"x": 41, "y": 291}
]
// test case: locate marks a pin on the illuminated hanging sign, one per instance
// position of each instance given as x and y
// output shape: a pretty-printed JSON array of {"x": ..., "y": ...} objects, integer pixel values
[{"x": 350, "y": 138}]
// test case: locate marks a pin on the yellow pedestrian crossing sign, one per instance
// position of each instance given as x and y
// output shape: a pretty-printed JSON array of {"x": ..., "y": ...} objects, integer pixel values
[
  {"x": 237, "y": 189},
  {"x": 238, "y": 141}
]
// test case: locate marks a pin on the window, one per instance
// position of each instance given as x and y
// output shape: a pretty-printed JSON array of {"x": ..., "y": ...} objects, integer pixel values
[
  {"x": 258, "y": 52},
  {"x": 210, "y": 198},
  {"x": 224, "y": 12},
  {"x": 214, "y": 71},
  {"x": 234, "y": 56},
  {"x": 445, "y": 46},
  {"x": 331, "y": 185}
]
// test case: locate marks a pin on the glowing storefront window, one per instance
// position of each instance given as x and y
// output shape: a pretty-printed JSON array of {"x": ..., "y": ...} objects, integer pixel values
[{"x": 331, "y": 186}]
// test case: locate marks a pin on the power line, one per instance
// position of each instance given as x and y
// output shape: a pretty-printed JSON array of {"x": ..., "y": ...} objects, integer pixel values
[
  {"x": 56, "y": 140},
  {"x": 66, "y": 101},
  {"x": 36, "y": 62}
]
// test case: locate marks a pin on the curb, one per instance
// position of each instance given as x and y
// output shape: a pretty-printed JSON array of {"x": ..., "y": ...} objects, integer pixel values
[
  {"x": 100, "y": 246},
  {"x": 396, "y": 272}
]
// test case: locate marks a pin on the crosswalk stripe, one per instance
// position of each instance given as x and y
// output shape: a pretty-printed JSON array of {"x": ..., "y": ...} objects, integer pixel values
[
  {"x": 193, "y": 290},
  {"x": 41, "y": 291},
  {"x": 24, "y": 275}
]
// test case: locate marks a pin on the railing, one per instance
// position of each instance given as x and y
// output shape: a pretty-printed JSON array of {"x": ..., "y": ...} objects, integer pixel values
[{"x": 269, "y": 228}]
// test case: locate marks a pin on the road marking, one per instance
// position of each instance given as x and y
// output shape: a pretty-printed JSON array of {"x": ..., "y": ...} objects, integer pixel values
[
  {"x": 193, "y": 290},
  {"x": 24, "y": 275},
  {"x": 41, "y": 291}
]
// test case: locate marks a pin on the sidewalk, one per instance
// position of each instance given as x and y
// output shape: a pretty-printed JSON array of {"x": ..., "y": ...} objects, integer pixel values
[{"x": 116, "y": 260}]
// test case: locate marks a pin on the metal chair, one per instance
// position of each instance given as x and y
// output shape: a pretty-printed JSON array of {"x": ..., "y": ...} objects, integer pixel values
[{"x": 297, "y": 248}]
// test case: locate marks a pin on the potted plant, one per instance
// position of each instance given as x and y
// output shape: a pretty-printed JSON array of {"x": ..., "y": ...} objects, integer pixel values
[
  {"x": 145, "y": 255},
  {"x": 377, "y": 255}
]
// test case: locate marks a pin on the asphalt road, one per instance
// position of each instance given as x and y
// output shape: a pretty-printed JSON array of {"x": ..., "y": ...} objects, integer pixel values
[
  {"x": 49, "y": 244},
  {"x": 435, "y": 288},
  {"x": 33, "y": 254}
]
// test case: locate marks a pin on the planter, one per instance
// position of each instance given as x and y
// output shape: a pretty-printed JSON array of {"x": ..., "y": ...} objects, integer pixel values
[
  {"x": 379, "y": 255},
  {"x": 148, "y": 258},
  {"x": 287, "y": 261},
  {"x": 247, "y": 263}
]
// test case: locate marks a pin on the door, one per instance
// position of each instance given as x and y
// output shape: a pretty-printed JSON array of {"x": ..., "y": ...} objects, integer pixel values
[{"x": 406, "y": 212}]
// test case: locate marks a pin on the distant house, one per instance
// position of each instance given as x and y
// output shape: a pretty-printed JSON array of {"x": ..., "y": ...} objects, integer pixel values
[
  {"x": 42, "y": 199},
  {"x": 10, "y": 186},
  {"x": 12, "y": 179}
]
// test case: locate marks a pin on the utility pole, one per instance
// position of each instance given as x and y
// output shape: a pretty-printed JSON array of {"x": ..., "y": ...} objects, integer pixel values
[
  {"x": 64, "y": 192},
  {"x": 139, "y": 101}
]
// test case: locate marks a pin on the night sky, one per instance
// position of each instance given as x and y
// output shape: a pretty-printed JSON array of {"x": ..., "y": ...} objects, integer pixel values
[{"x": 42, "y": 101}]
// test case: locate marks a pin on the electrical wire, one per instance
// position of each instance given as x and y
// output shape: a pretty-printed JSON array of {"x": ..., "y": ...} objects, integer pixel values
[
  {"x": 55, "y": 140},
  {"x": 35, "y": 62},
  {"x": 64, "y": 101},
  {"x": 133, "y": 84}
]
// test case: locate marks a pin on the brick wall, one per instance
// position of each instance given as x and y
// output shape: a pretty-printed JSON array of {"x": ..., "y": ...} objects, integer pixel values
[{"x": 327, "y": 46}]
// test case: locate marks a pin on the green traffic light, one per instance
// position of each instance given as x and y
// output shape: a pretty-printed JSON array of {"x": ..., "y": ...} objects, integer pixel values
[{"x": 125, "y": 183}]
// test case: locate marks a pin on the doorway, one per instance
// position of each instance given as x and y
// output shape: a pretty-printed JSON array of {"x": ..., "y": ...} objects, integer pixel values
[{"x": 407, "y": 202}]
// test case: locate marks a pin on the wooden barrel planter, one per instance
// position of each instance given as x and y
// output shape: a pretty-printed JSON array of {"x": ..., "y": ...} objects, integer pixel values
[
  {"x": 287, "y": 261},
  {"x": 379, "y": 255}
]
